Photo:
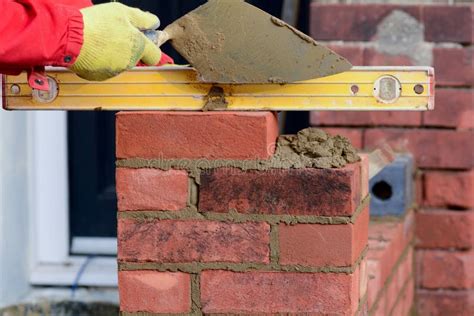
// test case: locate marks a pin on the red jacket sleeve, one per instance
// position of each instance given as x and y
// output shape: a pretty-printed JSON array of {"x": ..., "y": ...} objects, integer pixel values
[{"x": 40, "y": 33}]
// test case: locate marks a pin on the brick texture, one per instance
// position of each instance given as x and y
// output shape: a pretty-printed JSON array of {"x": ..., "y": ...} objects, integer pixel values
[
  {"x": 444, "y": 229},
  {"x": 149, "y": 189},
  {"x": 351, "y": 23},
  {"x": 183, "y": 135},
  {"x": 448, "y": 270},
  {"x": 454, "y": 66},
  {"x": 445, "y": 23},
  {"x": 450, "y": 189},
  {"x": 272, "y": 292},
  {"x": 454, "y": 109},
  {"x": 442, "y": 303},
  {"x": 324, "y": 245},
  {"x": 154, "y": 292},
  {"x": 433, "y": 148},
  {"x": 366, "y": 118},
  {"x": 328, "y": 192},
  {"x": 192, "y": 241}
]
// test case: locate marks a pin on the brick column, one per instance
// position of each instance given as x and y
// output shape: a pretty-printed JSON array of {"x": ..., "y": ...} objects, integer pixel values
[{"x": 205, "y": 226}]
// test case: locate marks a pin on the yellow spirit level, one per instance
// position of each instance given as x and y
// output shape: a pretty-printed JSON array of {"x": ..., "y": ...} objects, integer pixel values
[{"x": 178, "y": 88}]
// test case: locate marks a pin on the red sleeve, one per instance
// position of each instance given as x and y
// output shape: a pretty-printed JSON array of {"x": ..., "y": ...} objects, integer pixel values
[{"x": 40, "y": 33}]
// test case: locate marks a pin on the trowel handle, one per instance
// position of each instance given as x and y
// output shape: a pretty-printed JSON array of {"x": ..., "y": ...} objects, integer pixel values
[{"x": 157, "y": 37}]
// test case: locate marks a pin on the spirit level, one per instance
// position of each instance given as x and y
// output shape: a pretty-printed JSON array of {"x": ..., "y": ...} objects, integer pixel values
[{"x": 178, "y": 88}]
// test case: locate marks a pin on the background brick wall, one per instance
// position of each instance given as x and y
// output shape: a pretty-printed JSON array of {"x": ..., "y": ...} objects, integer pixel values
[
  {"x": 195, "y": 237},
  {"x": 442, "y": 140}
]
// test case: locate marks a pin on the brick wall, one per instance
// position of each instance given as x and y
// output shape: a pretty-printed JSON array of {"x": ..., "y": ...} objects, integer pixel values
[
  {"x": 199, "y": 235},
  {"x": 442, "y": 140}
]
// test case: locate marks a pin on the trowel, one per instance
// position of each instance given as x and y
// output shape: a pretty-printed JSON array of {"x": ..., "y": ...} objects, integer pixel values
[{"x": 231, "y": 41}]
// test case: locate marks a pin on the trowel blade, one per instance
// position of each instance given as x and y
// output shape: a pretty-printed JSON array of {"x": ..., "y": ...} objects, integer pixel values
[{"x": 231, "y": 41}]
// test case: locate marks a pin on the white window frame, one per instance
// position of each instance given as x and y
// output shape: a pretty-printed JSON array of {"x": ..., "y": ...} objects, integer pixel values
[{"x": 51, "y": 263}]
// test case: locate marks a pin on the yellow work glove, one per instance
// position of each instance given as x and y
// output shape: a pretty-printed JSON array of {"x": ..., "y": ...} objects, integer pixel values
[{"x": 113, "y": 41}]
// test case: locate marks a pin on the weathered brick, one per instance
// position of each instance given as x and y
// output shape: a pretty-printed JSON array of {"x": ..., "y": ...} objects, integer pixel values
[
  {"x": 195, "y": 135},
  {"x": 365, "y": 118},
  {"x": 354, "y": 135},
  {"x": 275, "y": 292},
  {"x": 449, "y": 189},
  {"x": 328, "y": 192},
  {"x": 352, "y": 52},
  {"x": 174, "y": 241},
  {"x": 351, "y": 22},
  {"x": 443, "y": 303},
  {"x": 323, "y": 245},
  {"x": 150, "y": 189},
  {"x": 373, "y": 57},
  {"x": 432, "y": 148},
  {"x": 454, "y": 66},
  {"x": 154, "y": 292},
  {"x": 448, "y": 270},
  {"x": 444, "y": 229},
  {"x": 454, "y": 109},
  {"x": 447, "y": 23}
]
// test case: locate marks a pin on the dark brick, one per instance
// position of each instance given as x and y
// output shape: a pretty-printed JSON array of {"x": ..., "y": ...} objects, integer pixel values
[
  {"x": 454, "y": 66},
  {"x": 445, "y": 23},
  {"x": 454, "y": 109},
  {"x": 291, "y": 191},
  {"x": 351, "y": 22},
  {"x": 443, "y": 303}
]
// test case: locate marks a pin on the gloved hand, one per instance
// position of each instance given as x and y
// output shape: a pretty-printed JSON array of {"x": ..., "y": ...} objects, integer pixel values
[{"x": 113, "y": 41}]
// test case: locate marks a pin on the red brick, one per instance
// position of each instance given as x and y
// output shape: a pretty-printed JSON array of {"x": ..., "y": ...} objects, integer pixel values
[
  {"x": 450, "y": 189},
  {"x": 154, "y": 292},
  {"x": 365, "y": 173},
  {"x": 448, "y": 270},
  {"x": 387, "y": 241},
  {"x": 194, "y": 135},
  {"x": 432, "y": 148},
  {"x": 150, "y": 189},
  {"x": 447, "y": 23},
  {"x": 454, "y": 109},
  {"x": 352, "y": 52},
  {"x": 454, "y": 66},
  {"x": 366, "y": 118},
  {"x": 373, "y": 57},
  {"x": 443, "y": 303},
  {"x": 355, "y": 136},
  {"x": 173, "y": 241},
  {"x": 445, "y": 229},
  {"x": 403, "y": 306},
  {"x": 324, "y": 245},
  {"x": 351, "y": 22},
  {"x": 274, "y": 292},
  {"x": 329, "y": 192}
]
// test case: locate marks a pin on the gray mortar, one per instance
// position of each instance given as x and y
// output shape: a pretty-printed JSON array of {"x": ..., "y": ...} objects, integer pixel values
[
  {"x": 310, "y": 148},
  {"x": 401, "y": 34}
]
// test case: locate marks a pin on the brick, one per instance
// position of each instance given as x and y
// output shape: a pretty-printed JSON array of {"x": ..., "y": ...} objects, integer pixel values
[
  {"x": 445, "y": 23},
  {"x": 449, "y": 189},
  {"x": 364, "y": 279},
  {"x": 195, "y": 135},
  {"x": 454, "y": 109},
  {"x": 328, "y": 192},
  {"x": 365, "y": 118},
  {"x": 352, "y": 52},
  {"x": 355, "y": 136},
  {"x": 448, "y": 270},
  {"x": 373, "y": 57},
  {"x": 274, "y": 292},
  {"x": 323, "y": 245},
  {"x": 444, "y": 229},
  {"x": 351, "y": 22},
  {"x": 405, "y": 301},
  {"x": 173, "y": 241},
  {"x": 154, "y": 292},
  {"x": 454, "y": 66},
  {"x": 432, "y": 148},
  {"x": 442, "y": 303},
  {"x": 365, "y": 164},
  {"x": 150, "y": 189},
  {"x": 375, "y": 283}
]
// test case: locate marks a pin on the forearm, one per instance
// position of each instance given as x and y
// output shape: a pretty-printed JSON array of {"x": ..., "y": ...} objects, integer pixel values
[{"x": 39, "y": 33}]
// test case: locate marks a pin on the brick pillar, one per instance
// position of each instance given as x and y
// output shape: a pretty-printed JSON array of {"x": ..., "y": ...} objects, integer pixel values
[{"x": 204, "y": 229}]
